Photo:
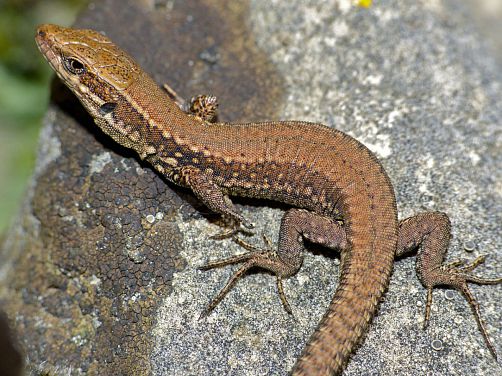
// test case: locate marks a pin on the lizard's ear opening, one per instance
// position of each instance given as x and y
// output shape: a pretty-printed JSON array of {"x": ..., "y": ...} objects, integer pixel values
[
  {"x": 107, "y": 107},
  {"x": 73, "y": 66}
]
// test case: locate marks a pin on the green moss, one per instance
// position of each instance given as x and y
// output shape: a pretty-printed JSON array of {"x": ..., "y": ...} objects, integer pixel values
[{"x": 24, "y": 91}]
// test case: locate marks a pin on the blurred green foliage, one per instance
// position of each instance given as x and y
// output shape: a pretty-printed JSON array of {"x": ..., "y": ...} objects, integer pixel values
[{"x": 24, "y": 91}]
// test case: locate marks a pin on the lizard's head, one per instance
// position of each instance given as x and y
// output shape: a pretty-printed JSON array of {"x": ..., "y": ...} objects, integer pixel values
[{"x": 88, "y": 63}]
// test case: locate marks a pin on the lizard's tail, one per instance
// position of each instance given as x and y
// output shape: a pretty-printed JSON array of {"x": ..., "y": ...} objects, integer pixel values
[{"x": 365, "y": 274}]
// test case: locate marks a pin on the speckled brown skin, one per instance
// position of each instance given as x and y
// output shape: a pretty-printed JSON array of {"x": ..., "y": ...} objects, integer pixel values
[{"x": 341, "y": 195}]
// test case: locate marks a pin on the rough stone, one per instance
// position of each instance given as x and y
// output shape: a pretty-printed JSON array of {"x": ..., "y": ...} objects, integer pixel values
[{"x": 90, "y": 284}]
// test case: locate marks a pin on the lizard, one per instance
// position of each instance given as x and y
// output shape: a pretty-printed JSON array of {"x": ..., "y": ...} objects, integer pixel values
[{"x": 337, "y": 191}]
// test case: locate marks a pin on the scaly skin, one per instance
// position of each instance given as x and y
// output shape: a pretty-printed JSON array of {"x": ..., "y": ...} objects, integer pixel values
[{"x": 341, "y": 195}]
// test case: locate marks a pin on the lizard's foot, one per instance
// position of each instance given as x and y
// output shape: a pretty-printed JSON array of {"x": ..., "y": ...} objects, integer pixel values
[
  {"x": 252, "y": 248},
  {"x": 457, "y": 274},
  {"x": 204, "y": 107},
  {"x": 256, "y": 257},
  {"x": 233, "y": 227}
]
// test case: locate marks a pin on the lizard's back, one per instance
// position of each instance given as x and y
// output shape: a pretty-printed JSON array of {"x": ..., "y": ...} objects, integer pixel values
[{"x": 325, "y": 171}]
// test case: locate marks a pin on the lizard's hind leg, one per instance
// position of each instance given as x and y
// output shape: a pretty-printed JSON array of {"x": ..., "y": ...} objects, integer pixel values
[
  {"x": 296, "y": 225},
  {"x": 431, "y": 233}
]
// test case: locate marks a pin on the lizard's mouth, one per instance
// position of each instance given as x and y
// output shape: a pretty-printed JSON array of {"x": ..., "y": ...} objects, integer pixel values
[{"x": 44, "y": 45}]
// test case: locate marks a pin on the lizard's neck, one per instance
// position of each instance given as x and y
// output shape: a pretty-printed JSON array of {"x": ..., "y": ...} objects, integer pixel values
[
  {"x": 157, "y": 108},
  {"x": 148, "y": 121},
  {"x": 145, "y": 118}
]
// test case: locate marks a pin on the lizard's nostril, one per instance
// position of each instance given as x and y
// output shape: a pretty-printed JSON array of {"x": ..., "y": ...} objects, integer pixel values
[{"x": 41, "y": 33}]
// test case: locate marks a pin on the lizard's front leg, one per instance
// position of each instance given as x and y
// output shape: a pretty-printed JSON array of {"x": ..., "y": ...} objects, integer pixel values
[
  {"x": 430, "y": 233},
  {"x": 213, "y": 196},
  {"x": 296, "y": 225},
  {"x": 202, "y": 106}
]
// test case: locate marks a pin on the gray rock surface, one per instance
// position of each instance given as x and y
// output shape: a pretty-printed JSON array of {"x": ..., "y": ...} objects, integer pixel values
[
  {"x": 99, "y": 274},
  {"x": 415, "y": 82}
]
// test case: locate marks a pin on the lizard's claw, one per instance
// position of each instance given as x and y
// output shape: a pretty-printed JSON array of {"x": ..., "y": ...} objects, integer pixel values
[
  {"x": 256, "y": 257},
  {"x": 253, "y": 248},
  {"x": 233, "y": 227},
  {"x": 457, "y": 274}
]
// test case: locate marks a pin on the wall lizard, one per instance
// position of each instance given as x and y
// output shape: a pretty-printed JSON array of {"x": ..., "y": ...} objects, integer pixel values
[{"x": 339, "y": 193}]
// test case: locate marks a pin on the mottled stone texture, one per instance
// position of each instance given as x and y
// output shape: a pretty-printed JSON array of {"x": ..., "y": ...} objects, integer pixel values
[{"x": 83, "y": 292}]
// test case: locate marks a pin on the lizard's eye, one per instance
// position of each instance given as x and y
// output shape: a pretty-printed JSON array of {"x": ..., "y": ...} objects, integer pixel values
[{"x": 73, "y": 65}]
